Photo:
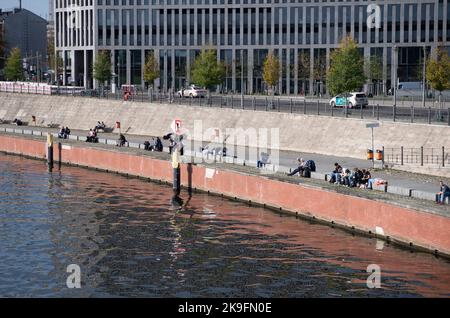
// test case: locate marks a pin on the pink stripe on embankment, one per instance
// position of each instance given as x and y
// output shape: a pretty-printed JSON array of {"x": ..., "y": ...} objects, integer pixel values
[{"x": 402, "y": 224}]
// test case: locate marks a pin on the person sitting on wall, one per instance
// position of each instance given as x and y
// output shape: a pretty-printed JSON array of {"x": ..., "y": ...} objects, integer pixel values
[
  {"x": 264, "y": 159},
  {"x": 100, "y": 126},
  {"x": 365, "y": 179},
  {"x": 336, "y": 174},
  {"x": 443, "y": 194},
  {"x": 92, "y": 136},
  {"x": 147, "y": 145},
  {"x": 18, "y": 122},
  {"x": 300, "y": 167},
  {"x": 159, "y": 145},
  {"x": 64, "y": 132},
  {"x": 122, "y": 141}
]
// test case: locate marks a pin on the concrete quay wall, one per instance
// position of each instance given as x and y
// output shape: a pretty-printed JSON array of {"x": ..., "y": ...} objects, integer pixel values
[
  {"x": 397, "y": 223},
  {"x": 303, "y": 133}
]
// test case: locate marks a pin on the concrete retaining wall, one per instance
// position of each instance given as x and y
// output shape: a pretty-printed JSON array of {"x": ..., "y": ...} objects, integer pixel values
[
  {"x": 314, "y": 134},
  {"x": 402, "y": 224}
]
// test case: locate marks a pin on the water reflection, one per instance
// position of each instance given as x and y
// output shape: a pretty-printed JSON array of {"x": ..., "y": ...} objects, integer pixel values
[{"x": 130, "y": 239}]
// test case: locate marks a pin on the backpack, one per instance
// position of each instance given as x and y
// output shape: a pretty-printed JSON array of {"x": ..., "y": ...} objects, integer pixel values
[{"x": 311, "y": 165}]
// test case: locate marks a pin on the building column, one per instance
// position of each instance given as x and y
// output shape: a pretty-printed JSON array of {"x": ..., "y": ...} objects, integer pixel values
[
  {"x": 85, "y": 69},
  {"x": 384, "y": 70},
  {"x": 172, "y": 84},
  {"x": 143, "y": 60},
  {"x": 188, "y": 66},
  {"x": 233, "y": 70},
  {"x": 72, "y": 66},
  {"x": 296, "y": 71},
  {"x": 64, "y": 73},
  {"x": 328, "y": 58},
  {"x": 113, "y": 68},
  {"x": 250, "y": 65},
  {"x": 128, "y": 67},
  {"x": 311, "y": 72},
  {"x": 164, "y": 86}
]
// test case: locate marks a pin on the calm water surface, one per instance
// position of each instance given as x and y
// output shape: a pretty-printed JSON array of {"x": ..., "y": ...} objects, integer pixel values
[{"x": 129, "y": 240}]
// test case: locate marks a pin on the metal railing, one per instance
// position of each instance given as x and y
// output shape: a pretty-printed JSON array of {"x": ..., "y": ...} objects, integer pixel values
[
  {"x": 417, "y": 156},
  {"x": 411, "y": 114}
]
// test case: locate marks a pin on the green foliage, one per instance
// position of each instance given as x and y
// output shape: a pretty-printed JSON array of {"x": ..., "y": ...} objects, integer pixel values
[
  {"x": 346, "y": 73},
  {"x": 271, "y": 70},
  {"x": 102, "y": 68},
  {"x": 13, "y": 67},
  {"x": 151, "y": 69},
  {"x": 206, "y": 71},
  {"x": 304, "y": 65},
  {"x": 375, "y": 68},
  {"x": 438, "y": 71}
]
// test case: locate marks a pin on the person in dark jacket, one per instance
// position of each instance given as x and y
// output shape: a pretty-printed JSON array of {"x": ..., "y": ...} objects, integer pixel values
[
  {"x": 443, "y": 194},
  {"x": 122, "y": 141}
]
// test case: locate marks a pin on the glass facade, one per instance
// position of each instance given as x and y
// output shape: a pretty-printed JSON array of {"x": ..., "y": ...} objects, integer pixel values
[{"x": 301, "y": 32}]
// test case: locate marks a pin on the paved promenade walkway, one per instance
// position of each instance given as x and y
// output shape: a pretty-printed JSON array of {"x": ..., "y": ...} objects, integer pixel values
[{"x": 325, "y": 164}]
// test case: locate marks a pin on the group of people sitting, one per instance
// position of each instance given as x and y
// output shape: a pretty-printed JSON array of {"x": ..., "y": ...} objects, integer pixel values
[
  {"x": 100, "y": 126},
  {"x": 64, "y": 132},
  {"x": 92, "y": 136},
  {"x": 154, "y": 145},
  {"x": 304, "y": 168},
  {"x": 354, "y": 178}
]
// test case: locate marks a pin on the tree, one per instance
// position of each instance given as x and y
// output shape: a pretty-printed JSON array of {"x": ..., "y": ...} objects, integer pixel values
[
  {"x": 346, "y": 71},
  {"x": 271, "y": 71},
  {"x": 304, "y": 69},
  {"x": 438, "y": 71},
  {"x": 102, "y": 68},
  {"x": 206, "y": 71},
  {"x": 13, "y": 68},
  {"x": 151, "y": 69},
  {"x": 374, "y": 70}
]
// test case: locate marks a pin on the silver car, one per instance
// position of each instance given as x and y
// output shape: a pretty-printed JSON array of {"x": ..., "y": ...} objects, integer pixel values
[{"x": 193, "y": 91}]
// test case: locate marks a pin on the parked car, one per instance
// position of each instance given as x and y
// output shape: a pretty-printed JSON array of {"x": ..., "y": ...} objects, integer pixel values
[
  {"x": 193, "y": 91},
  {"x": 353, "y": 100}
]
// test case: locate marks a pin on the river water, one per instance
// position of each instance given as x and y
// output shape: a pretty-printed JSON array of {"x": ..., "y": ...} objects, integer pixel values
[{"x": 130, "y": 240}]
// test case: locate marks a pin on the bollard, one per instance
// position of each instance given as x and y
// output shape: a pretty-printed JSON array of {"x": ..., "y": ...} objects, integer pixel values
[
  {"x": 332, "y": 111},
  {"x": 176, "y": 172},
  {"x": 429, "y": 115},
  {"x": 318, "y": 108},
  {"x": 394, "y": 113},
  {"x": 421, "y": 156},
  {"x": 254, "y": 103},
  {"x": 279, "y": 105},
  {"x": 304, "y": 107},
  {"x": 401, "y": 155},
  {"x": 412, "y": 114},
  {"x": 232, "y": 103},
  {"x": 59, "y": 155},
  {"x": 378, "y": 111},
  {"x": 443, "y": 156},
  {"x": 361, "y": 114},
  {"x": 267, "y": 105},
  {"x": 50, "y": 151},
  {"x": 290, "y": 104}
]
